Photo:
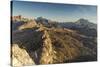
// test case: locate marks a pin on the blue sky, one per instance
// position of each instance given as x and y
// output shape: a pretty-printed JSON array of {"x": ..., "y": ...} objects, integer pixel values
[{"x": 57, "y": 12}]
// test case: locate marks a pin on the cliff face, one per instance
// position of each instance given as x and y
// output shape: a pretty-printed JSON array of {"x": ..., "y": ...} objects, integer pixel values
[{"x": 36, "y": 44}]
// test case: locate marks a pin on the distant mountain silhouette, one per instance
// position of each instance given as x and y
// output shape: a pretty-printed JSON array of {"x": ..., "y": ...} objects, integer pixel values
[
  {"x": 82, "y": 26},
  {"x": 85, "y": 23}
]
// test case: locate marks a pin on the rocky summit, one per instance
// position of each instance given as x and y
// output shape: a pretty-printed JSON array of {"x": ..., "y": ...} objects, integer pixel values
[{"x": 35, "y": 43}]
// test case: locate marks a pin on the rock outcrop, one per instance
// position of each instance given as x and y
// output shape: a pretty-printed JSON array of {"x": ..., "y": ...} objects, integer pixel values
[{"x": 47, "y": 50}]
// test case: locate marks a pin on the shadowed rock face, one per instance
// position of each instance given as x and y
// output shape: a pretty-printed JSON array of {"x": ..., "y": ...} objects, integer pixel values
[{"x": 42, "y": 45}]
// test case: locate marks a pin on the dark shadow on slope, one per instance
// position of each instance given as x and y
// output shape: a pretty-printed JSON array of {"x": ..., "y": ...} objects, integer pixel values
[
  {"x": 16, "y": 24},
  {"x": 31, "y": 41}
]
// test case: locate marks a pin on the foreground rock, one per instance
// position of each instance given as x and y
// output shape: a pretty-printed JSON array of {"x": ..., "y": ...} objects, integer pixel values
[{"x": 20, "y": 56}]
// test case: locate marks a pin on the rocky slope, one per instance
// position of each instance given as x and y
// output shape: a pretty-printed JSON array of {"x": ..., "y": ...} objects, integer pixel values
[{"x": 35, "y": 43}]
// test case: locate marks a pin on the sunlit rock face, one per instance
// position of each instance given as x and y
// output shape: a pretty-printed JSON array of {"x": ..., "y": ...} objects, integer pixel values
[{"x": 20, "y": 56}]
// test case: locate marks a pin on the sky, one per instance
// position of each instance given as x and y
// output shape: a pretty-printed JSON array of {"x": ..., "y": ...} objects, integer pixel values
[{"x": 55, "y": 11}]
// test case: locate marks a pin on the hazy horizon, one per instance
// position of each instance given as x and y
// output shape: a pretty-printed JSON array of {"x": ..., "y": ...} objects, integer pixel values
[{"x": 54, "y": 11}]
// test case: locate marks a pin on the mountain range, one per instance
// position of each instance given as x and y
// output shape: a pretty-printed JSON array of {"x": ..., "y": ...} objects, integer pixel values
[{"x": 43, "y": 41}]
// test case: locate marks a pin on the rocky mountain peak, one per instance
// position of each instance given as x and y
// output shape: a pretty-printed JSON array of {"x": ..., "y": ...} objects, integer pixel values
[{"x": 82, "y": 21}]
